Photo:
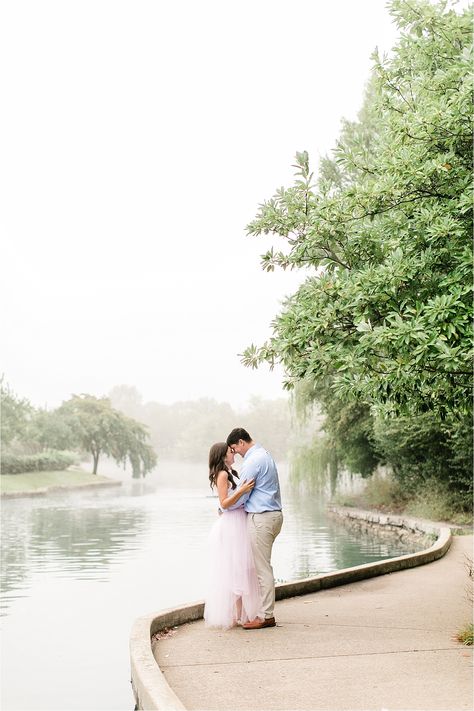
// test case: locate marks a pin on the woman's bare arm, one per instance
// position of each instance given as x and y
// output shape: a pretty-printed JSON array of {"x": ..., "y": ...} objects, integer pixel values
[{"x": 226, "y": 499}]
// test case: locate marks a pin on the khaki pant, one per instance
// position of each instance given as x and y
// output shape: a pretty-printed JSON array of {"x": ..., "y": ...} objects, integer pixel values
[{"x": 263, "y": 529}]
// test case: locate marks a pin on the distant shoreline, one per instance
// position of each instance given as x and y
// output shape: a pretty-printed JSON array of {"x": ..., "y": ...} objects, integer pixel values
[{"x": 13, "y": 486}]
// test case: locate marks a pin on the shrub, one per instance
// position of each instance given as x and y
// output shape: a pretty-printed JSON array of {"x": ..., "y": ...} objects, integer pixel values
[
  {"x": 44, "y": 461},
  {"x": 383, "y": 491},
  {"x": 427, "y": 454}
]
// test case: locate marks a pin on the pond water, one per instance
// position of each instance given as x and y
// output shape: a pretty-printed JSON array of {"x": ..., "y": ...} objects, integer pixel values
[{"x": 79, "y": 567}]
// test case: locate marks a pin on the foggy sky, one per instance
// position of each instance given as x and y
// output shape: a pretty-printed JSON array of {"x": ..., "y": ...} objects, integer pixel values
[{"x": 138, "y": 139}]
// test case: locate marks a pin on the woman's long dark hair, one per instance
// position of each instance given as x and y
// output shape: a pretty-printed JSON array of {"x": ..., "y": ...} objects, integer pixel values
[{"x": 217, "y": 464}]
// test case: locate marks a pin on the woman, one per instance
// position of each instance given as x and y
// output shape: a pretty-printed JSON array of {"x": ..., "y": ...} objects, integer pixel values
[{"x": 233, "y": 592}]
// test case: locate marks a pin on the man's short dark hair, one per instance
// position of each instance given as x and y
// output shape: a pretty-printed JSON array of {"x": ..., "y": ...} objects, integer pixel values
[{"x": 236, "y": 434}]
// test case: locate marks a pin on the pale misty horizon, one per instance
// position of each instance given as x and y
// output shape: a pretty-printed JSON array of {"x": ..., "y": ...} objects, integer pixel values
[{"x": 138, "y": 141}]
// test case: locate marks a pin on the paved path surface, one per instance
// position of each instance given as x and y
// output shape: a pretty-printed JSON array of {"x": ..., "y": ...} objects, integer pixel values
[{"x": 383, "y": 643}]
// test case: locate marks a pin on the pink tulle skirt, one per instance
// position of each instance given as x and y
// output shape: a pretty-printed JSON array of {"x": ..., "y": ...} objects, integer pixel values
[{"x": 233, "y": 591}]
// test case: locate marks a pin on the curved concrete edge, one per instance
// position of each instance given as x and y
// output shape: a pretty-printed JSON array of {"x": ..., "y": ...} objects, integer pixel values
[
  {"x": 150, "y": 687},
  {"x": 151, "y": 690},
  {"x": 368, "y": 570}
]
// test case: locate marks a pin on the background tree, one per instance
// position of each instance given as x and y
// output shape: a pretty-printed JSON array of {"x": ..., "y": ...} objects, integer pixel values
[
  {"x": 269, "y": 422},
  {"x": 26, "y": 442},
  {"x": 127, "y": 399},
  {"x": 102, "y": 430},
  {"x": 49, "y": 429},
  {"x": 15, "y": 416},
  {"x": 185, "y": 430},
  {"x": 385, "y": 317}
]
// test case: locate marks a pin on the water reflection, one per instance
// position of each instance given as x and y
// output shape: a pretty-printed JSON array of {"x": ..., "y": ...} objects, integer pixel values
[
  {"x": 316, "y": 542},
  {"x": 64, "y": 536}
]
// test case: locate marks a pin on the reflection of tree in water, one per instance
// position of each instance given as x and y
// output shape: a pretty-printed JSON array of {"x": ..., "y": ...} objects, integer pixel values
[
  {"x": 80, "y": 541},
  {"x": 355, "y": 544},
  {"x": 87, "y": 537},
  {"x": 14, "y": 552}
]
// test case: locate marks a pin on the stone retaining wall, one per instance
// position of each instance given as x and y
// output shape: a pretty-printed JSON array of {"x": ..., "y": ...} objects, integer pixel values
[
  {"x": 150, "y": 688},
  {"x": 404, "y": 531}
]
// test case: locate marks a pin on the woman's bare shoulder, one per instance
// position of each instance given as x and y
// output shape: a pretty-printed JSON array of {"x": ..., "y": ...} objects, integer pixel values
[{"x": 222, "y": 475}]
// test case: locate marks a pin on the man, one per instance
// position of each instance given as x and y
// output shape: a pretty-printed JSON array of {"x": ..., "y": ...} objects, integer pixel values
[{"x": 264, "y": 519}]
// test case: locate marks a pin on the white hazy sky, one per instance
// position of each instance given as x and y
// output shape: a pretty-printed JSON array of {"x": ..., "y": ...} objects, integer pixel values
[{"x": 137, "y": 140}]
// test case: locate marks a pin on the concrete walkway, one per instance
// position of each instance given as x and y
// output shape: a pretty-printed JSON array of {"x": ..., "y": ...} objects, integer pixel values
[{"x": 382, "y": 643}]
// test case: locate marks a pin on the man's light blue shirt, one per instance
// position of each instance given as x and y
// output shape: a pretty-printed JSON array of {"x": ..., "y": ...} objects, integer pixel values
[{"x": 265, "y": 496}]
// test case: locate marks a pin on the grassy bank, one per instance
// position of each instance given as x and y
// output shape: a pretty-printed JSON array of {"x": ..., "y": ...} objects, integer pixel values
[
  {"x": 34, "y": 482},
  {"x": 383, "y": 493}
]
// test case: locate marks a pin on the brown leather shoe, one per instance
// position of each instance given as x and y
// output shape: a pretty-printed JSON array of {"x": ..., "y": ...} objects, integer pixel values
[{"x": 258, "y": 623}]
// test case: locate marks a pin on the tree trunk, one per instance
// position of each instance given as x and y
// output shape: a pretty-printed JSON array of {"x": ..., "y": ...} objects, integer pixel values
[{"x": 96, "y": 461}]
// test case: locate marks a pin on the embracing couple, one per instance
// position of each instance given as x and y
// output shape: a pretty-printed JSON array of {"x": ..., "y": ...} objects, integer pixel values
[{"x": 241, "y": 587}]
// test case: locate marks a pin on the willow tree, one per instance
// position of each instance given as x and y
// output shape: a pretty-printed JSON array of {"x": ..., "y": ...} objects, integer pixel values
[
  {"x": 100, "y": 429},
  {"x": 386, "y": 230}
]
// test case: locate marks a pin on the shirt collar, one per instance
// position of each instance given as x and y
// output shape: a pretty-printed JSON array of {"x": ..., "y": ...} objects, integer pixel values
[{"x": 252, "y": 449}]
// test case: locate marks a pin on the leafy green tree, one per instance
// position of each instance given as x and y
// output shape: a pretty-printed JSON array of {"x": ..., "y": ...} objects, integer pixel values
[
  {"x": 384, "y": 318},
  {"x": 50, "y": 430},
  {"x": 342, "y": 436},
  {"x": 387, "y": 314},
  {"x": 426, "y": 453},
  {"x": 102, "y": 430}
]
